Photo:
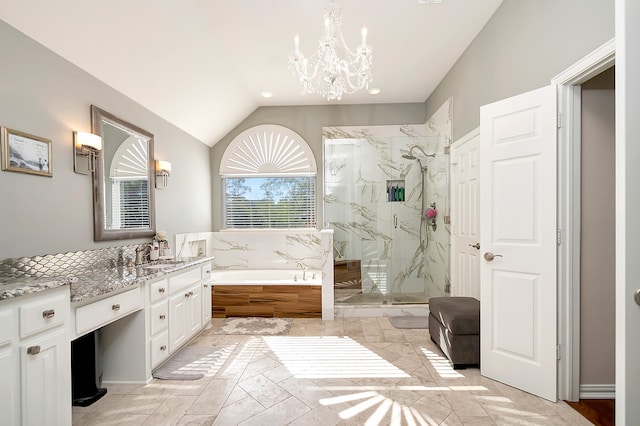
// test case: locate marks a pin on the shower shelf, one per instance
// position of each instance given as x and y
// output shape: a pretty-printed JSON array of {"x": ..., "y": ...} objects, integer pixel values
[{"x": 395, "y": 190}]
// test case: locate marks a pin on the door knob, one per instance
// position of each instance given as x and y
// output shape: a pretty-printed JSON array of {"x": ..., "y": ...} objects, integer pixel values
[
  {"x": 488, "y": 256},
  {"x": 475, "y": 246}
]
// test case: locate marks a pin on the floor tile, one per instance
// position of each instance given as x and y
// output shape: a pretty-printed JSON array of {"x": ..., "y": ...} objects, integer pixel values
[{"x": 347, "y": 371}]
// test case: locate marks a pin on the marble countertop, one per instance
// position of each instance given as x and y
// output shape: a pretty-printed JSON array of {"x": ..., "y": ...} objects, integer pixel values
[{"x": 85, "y": 285}]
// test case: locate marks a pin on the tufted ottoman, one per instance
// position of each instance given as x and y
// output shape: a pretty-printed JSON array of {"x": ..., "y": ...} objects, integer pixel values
[{"x": 454, "y": 325}]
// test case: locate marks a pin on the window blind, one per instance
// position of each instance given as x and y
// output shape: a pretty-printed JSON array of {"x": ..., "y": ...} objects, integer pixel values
[
  {"x": 270, "y": 203},
  {"x": 133, "y": 203}
]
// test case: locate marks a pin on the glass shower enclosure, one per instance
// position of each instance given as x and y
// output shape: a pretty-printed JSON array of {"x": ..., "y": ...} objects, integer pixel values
[{"x": 377, "y": 192}]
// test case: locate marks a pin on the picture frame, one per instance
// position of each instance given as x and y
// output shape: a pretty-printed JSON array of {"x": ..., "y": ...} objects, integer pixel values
[{"x": 25, "y": 153}]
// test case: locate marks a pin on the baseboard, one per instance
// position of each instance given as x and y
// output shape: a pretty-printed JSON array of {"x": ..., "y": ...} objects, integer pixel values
[{"x": 597, "y": 391}]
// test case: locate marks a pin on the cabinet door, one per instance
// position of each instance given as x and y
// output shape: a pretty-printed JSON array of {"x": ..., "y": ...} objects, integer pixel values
[
  {"x": 178, "y": 305},
  {"x": 206, "y": 304},
  {"x": 46, "y": 380},
  {"x": 9, "y": 389},
  {"x": 9, "y": 366},
  {"x": 194, "y": 311}
]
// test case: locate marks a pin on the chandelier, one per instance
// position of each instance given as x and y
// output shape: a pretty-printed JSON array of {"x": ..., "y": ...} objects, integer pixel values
[{"x": 333, "y": 69}]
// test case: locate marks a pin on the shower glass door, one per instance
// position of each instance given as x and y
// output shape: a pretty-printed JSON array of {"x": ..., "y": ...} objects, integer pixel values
[{"x": 373, "y": 202}]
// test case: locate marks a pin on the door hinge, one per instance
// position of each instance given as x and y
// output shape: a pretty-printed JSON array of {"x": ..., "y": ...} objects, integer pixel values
[
  {"x": 559, "y": 121},
  {"x": 558, "y": 352},
  {"x": 558, "y": 237}
]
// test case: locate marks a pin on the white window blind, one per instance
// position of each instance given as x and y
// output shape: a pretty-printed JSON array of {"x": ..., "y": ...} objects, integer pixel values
[
  {"x": 131, "y": 199},
  {"x": 270, "y": 202}
]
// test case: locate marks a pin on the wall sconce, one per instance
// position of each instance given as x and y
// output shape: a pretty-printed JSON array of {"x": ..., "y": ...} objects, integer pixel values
[
  {"x": 85, "y": 145},
  {"x": 163, "y": 169}
]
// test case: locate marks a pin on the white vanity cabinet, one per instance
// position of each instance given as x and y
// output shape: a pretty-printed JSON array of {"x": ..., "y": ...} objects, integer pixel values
[
  {"x": 185, "y": 307},
  {"x": 35, "y": 358},
  {"x": 177, "y": 310}
]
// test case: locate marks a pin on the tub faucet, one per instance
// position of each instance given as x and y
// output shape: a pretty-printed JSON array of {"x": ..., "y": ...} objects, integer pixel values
[{"x": 304, "y": 270}]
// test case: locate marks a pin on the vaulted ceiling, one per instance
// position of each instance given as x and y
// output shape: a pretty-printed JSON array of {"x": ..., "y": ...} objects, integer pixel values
[{"x": 201, "y": 64}]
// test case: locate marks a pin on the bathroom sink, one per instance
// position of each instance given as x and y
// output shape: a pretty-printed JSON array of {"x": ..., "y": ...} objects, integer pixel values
[
  {"x": 159, "y": 266},
  {"x": 165, "y": 264}
]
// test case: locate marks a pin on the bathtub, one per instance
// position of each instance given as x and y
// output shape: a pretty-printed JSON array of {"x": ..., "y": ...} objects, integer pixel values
[
  {"x": 265, "y": 277},
  {"x": 277, "y": 293}
]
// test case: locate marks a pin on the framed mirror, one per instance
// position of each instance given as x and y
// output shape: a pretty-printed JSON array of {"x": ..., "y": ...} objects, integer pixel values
[{"x": 123, "y": 180}]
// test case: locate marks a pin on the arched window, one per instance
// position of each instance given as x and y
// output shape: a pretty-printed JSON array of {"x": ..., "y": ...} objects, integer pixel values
[{"x": 268, "y": 175}]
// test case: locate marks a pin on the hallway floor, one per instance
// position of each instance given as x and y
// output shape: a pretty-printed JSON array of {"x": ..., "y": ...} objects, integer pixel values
[{"x": 351, "y": 371}]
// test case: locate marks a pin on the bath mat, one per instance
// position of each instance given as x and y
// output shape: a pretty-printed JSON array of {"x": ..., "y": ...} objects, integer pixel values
[
  {"x": 191, "y": 363},
  {"x": 256, "y": 326},
  {"x": 409, "y": 322}
]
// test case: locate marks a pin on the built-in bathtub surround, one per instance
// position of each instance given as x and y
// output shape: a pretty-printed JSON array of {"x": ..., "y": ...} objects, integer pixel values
[
  {"x": 389, "y": 236},
  {"x": 262, "y": 250}
]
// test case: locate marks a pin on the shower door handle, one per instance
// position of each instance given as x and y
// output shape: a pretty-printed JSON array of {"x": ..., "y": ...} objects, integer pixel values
[{"x": 395, "y": 221}]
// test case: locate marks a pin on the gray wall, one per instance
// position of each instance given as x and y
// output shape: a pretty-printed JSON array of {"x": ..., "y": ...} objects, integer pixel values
[
  {"x": 597, "y": 245},
  {"x": 308, "y": 122},
  {"x": 44, "y": 95},
  {"x": 523, "y": 46}
]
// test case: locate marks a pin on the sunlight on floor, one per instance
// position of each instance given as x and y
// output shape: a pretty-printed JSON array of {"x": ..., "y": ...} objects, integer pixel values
[
  {"x": 441, "y": 364},
  {"x": 322, "y": 357}
]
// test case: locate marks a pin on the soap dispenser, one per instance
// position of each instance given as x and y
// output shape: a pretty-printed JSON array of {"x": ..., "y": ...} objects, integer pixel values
[{"x": 155, "y": 250}]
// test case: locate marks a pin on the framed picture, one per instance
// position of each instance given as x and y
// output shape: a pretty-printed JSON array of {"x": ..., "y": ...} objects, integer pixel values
[{"x": 25, "y": 153}]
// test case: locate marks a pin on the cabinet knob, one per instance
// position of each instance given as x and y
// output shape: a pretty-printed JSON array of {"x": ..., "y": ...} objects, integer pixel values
[
  {"x": 33, "y": 350},
  {"x": 163, "y": 347},
  {"x": 186, "y": 295},
  {"x": 162, "y": 316},
  {"x": 115, "y": 307},
  {"x": 49, "y": 313},
  {"x": 161, "y": 290}
]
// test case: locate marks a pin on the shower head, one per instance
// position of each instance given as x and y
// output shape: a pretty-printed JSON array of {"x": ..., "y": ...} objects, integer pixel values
[{"x": 410, "y": 156}]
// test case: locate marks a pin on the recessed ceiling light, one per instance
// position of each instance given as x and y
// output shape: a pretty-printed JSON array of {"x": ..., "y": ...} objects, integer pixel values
[
  {"x": 266, "y": 94},
  {"x": 374, "y": 91}
]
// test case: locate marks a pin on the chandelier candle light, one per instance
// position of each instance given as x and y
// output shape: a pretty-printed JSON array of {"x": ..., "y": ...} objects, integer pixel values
[{"x": 333, "y": 69}]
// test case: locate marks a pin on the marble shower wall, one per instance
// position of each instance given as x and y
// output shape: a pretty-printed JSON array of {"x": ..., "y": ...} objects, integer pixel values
[{"x": 360, "y": 164}]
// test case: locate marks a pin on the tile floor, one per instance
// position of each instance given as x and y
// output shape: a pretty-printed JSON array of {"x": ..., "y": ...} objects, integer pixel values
[{"x": 351, "y": 371}]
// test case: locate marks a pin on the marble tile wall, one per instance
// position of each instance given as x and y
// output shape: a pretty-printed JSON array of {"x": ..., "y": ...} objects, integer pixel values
[{"x": 255, "y": 249}]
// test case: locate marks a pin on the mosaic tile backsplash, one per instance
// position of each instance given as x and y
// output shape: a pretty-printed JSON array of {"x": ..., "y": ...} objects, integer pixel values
[{"x": 63, "y": 264}]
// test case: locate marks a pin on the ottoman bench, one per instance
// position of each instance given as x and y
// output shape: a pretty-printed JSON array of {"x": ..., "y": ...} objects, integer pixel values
[{"x": 454, "y": 325}]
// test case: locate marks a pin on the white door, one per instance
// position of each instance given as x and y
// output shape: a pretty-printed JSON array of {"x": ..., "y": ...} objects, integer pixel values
[
  {"x": 518, "y": 239},
  {"x": 465, "y": 224}
]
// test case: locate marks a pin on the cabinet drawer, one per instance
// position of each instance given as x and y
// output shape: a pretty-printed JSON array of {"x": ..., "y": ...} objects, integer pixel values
[
  {"x": 159, "y": 317},
  {"x": 45, "y": 313},
  {"x": 102, "y": 312},
  {"x": 158, "y": 290},
  {"x": 184, "y": 280},
  {"x": 159, "y": 348},
  {"x": 206, "y": 272}
]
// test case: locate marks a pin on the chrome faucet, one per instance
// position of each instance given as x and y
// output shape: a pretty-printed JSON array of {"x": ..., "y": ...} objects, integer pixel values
[
  {"x": 304, "y": 270},
  {"x": 143, "y": 254}
]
